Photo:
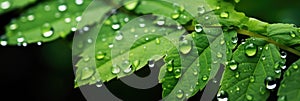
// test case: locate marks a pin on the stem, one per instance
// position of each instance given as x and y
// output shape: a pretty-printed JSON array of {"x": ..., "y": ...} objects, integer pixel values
[{"x": 248, "y": 33}]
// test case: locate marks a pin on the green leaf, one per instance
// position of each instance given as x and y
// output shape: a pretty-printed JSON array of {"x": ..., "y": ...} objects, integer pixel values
[
  {"x": 51, "y": 20},
  {"x": 8, "y": 5},
  {"x": 289, "y": 89},
  {"x": 244, "y": 79}
]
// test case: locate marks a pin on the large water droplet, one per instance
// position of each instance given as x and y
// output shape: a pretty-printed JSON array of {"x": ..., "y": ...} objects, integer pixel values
[
  {"x": 100, "y": 55},
  {"x": 198, "y": 28},
  {"x": 86, "y": 73},
  {"x": 179, "y": 94},
  {"x": 5, "y": 5},
  {"x": 250, "y": 49},
  {"x": 47, "y": 30},
  {"x": 62, "y": 7},
  {"x": 222, "y": 96},
  {"x": 233, "y": 65},
  {"x": 131, "y": 5},
  {"x": 115, "y": 69},
  {"x": 177, "y": 73},
  {"x": 270, "y": 83}
]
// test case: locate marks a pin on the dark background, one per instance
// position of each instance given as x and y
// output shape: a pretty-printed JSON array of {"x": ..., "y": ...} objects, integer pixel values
[{"x": 45, "y": 73}]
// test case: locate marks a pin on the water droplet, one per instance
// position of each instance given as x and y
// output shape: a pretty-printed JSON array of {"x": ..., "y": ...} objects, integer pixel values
[
  {"x": 67, "y": 20},
  {"x": 13, "y": 26},
  {"x": 151, "y": 63},
  {"x": 175, "y": 15},
  {"x": 100, "y": 55},
  {"x": 127, "y": 70},
  {"x": 78, "y": 2},
  {"x": 126, "y": 19},
  {"x": 5, "y": 5},
  {"x": 198, "y": 28},
  {"x": 281, "y": 98},
  {"x": 219, "y": 55},
  {"x": 20, "y": 39},
  {"x": 47, "y": 8},
  {"x": 47, "y": 31},
  {"x": 201, "y": 10},
  {"x": 142, "y": 25},
  {"x": 39, "y": 43},
  {"x": 263, "y": 58},
  {"x": 233, "y": 65},
  {"x": 224, "y": 15},
  {"x": 292, "y": 34},
  {"x": 30, "y": 17},
  {"x": 62, "y": 8},
  {"x": 161, "y": 21},
  {"x": 115, "y": 69},
  {"x": 222, "y": 96},
  {"x": 250, "y": 49},
  {"x": 270, "y": 83},
  {"x": 177, "y": 73},
  {"x": 146, "y": 38},
  {"x": 86, "y": 59},
  {"x": 236, "y": 1},
  {"x": 131, "y": 5},
  {"x": 119, "y": 36},
  {"x": 249, "y": 97},
  {"x": 262, "y": 90},
  {"x": 24, "y": 44},
  {"x": 170, "y": 66},
  {"x": 110, "y": 45},
  {"x": 237, "y": 75},
  {"x": 283, "y": 54},
  {"x": 3, "y": 43},
  {"x": 136, "y": 63},
  {"x": 237, "y": 88},
  {"x": 157, "y": 41},
  {"x": 99, "y": 85},
  {"x": 185, "y": 46},
  {"x": 86, "y": 73},
  {"x": 252, "y": 79},
  {"x": 278, "y": 66},
  {"x": 204, "y": 77},
  {"x": 179, "y": 94},
  {"x": 195, "y": 72},
  {"x": 234, "y": 40},
  {"x": 294, "y": 66}
]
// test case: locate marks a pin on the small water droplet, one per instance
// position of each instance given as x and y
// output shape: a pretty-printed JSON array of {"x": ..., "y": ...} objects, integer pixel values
[
  {"x": 67, "y": 20},
  {"x": 195, "y": 72},
  {"x": 5, "y": 5},
  {"x": 39, "y": 43},
  {"x": 78, "y": 2},
  {"x": 237, "y": 88},
  {"x": 157, "y": 41},
  {"x": 201, "y": 10},
  {"x": 219, "y": 55},
  {"x": 250, "y": 49},
  {"x": 281, "y": 98},
  {"x": 252, "y": 79},
  {"x": 62, "y": 7},
  {"x": 249, "y": 97},
  {"x": 292, "y": 34},
  {"x": 235, "y": 40},
  {"x": 294, "y": 66},
  {"x": 136, "y": 63},
  {"x": 185, "y": 46},
  {"x": 13, "y": 26},
  {"x": 170, "y": 66},
  {"x": 233, "y": 65},
  {"x": 115, "y": 69},
  {"x": 86, "y": 73},
  {"x": 224, "y": 15},
  {"x": 179, "y": 94},
  {"x": 198, "y": 28},
  {"x": 78, "y": 18},
  {"x": 131, "y": 5},
  {"x": 110, "y": 45},
  {"x": 222, "y": 96},
  {"x": 177, "y": 73},
  {"x": 47, "y": 8},
  {"x": 161, "y": 21},
  {"x": 151, "y": 63},
  {"x": 86, "y": 59},
  {"x": 100, "y": 55},
  {"x": 283, "y": 54},
  {"x": 204, "y": 77},
  {"x": 270, "y": 83},
  {"x": 119, "y": 36},
  {"x": 237, "y": 75},
  {"x": 20, "y": 39},
  {"x": 30, "y": 17},
  {"x": 47, "y": 30},
  {"x": 142, "y": 25},
  {"x": 262, "y": 90},
  {"x": 99, "y": 85},
  {"x": 127, "y": 70},
  {"x": 3, "y": 43}
]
